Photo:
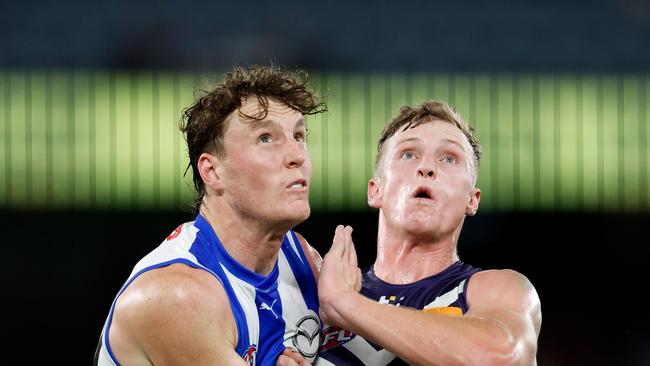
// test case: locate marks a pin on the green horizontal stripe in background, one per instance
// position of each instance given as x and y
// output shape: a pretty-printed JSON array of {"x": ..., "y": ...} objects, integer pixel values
[{"x": 109, "y": 140}]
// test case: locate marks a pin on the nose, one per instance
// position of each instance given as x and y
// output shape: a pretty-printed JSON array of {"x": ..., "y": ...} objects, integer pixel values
[
  {"x": 426, "y": 170},
  {"x": 295, "y": 155}
]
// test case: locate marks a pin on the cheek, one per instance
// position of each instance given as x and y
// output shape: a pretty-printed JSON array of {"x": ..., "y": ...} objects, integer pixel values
[
  {"x": 307, "y": 166},
  {"x": 248, "y": 169},
  {"x": 396, "y": 192},
  {"x": 458, "y": 178}
]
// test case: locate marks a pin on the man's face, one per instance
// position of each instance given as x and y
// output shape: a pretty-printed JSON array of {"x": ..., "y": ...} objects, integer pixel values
[
  {"x": 266, "y": 169},
  {"x": 426, "y": 180}
]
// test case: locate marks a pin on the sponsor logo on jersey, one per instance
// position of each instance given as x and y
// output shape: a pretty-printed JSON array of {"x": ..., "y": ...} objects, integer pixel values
[
  {"x": 175, "y": 233},
  {"x": 390, "y": 300},
  {"x": 306, "y": 337},
  {"x": 249, "y": 354},
  {"x": 333, "y": 337},
  {"x": 266, "y": 306}
]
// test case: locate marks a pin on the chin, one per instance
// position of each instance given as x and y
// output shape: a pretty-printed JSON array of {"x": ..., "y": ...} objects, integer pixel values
[
  {"x": 296, "y": 213},
  {"x": 419, "y": 230},
  {"x": 419, "y": 224},
  {"x": 305, "y": 214}
]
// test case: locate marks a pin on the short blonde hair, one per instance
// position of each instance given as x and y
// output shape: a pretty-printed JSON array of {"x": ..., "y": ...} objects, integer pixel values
[{"x": 411, "y": 117}]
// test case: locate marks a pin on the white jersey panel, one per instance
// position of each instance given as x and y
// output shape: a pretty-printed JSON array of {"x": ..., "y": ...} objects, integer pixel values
[
  {"x": 255, "y": 300},
  {"x": 171, "y": 249},
  {"x": 302, "y": 324}
]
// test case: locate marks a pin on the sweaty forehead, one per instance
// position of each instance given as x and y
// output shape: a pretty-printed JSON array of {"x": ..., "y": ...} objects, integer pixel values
[
  {"x": 252, "y": 107},
  {"x": 433, "y": 132}
]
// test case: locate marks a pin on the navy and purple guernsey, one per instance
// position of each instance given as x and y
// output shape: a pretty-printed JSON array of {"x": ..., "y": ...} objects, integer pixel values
[{"x": 442, "y": 293}]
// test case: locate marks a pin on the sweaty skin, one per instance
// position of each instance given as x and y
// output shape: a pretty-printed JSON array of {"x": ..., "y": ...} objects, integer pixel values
[
  {"x": 255, "y": 193},
  {"x": 417, "y": 238}
]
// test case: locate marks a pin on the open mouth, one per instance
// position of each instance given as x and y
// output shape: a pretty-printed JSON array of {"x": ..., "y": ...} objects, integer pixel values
[
  {"x": 298, "y": 184},
  {"x": 423, "y": 192}
]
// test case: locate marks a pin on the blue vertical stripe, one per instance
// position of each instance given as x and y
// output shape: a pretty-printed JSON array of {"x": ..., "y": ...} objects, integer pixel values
[{"x": 272, "y": 325}]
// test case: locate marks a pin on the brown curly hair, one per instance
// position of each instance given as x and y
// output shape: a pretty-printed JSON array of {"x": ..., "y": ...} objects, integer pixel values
[
  {"x": 411, "y": 117},
  {"x": 203, "y": 123}
]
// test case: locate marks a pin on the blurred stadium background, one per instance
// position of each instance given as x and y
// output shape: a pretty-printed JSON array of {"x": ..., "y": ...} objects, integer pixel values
[{"x": 92, "y": 164}]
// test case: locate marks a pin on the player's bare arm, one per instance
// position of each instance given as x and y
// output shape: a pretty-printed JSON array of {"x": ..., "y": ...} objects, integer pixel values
[
  {"x": 501, "y": 327},
  {"x": 508, "y": 304},
  {"x": 174, "y": 315}
]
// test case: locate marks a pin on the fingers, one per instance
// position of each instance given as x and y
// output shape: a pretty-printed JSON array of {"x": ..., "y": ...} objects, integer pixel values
[
  {"x": 341, "y": 235},
  {"x": 350, "y": 256},
  {"x": 352, "y": 252},
  {"x": 291, "y": 358},
  {"x": 285, "y": 361},
  {"x": 343, "y": 246},
  {"x": 347, "y": 230},
  {"x": 338, "y": 243},
  {"x": 349, "y": 253}
]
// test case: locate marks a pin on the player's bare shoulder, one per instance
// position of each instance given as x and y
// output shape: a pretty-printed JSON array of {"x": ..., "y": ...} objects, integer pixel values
[
  {"x": 314, "y": 258},
  {"x": 177, "y": 299},
  {"x": 506, "y": 289},
  {"x": 499, "y": 286},
  {"x": 497, "y": 283}
]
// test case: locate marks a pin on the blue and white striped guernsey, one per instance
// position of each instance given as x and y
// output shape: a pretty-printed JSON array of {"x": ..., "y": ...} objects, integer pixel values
[{"x": 270, "y": 312}]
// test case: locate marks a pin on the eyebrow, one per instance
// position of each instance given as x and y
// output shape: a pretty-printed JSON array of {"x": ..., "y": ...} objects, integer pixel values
[
  {"x": 301, "y": 122},
  {"x": 453, "y": 142},
  {"x": 257, "y": 124},
  {"x": 410, "y": 139},
  {"x": 418, "y": 139}
]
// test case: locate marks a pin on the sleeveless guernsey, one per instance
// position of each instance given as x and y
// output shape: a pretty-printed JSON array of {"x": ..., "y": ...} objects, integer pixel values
[
  {"x": 441, "y": 293},
  {"x": 271, "y": 312}
]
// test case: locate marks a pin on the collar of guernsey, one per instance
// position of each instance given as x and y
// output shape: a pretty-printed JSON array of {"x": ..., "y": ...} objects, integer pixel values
[{"x": 209, "y": 252}]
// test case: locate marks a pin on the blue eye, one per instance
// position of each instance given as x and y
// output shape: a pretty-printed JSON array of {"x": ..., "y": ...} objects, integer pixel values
[
  {"x": 265, "y": 139},
  {"x": 408, "y": 155},
  {"x": 449, "y": 159}
]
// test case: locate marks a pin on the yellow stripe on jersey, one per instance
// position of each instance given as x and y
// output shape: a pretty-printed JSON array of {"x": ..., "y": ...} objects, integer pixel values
[{"x": 445, "y": 310}]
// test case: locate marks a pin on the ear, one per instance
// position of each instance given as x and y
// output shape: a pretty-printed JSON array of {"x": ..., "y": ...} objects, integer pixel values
[
  {"x": 210, "y": 170},
  {"x": 472, "y": 204},
  {"x": 374, "y": 193}
]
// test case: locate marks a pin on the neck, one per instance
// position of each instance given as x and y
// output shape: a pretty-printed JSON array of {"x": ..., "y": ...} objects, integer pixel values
[
  {"x": 251, "y": 243},
  {"x": 404, "y": 258}
]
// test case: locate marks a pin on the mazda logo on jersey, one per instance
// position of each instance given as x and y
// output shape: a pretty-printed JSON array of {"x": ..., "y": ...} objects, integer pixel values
[{"x": 306, "y": 337}]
